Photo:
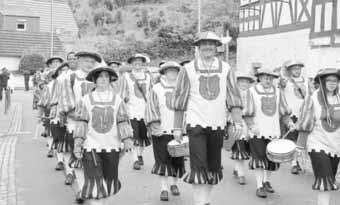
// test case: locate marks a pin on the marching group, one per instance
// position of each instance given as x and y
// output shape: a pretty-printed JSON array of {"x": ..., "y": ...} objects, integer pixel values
[{"x": 94, "y": 112}]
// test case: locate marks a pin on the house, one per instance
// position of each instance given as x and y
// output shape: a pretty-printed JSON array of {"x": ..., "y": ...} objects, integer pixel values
[
  {"x": 273, "y": 31},
  {"x": 25, "y": 26}
]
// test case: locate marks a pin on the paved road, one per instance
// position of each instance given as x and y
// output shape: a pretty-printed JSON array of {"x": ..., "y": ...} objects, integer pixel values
[{"x": 38, "y": 184}]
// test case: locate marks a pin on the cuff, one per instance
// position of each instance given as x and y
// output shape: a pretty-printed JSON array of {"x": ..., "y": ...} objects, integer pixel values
[{"x": 178, "y": 120}]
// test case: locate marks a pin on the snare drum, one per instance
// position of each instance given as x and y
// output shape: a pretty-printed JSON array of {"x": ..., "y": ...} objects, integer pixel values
[
  {"x": 179, "y": 149},
  {"x": 281, "y": 150}
]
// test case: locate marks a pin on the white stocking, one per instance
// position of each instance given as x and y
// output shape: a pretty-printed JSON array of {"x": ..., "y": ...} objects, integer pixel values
[
  {"x": 208, "y": 191},
  {"x": 164, "y": 183},
  {"x": 68, "y": 169},
  {"x": 239, "y": 166},
  {"x": 259, "y": 177},
  {"x": 134, "y": 154},
  {"x": 172, "y": 180},
  {"x": 198, "y": 194},
  {"x": 60, "y": 156},
  {"x": 140, "y": 150},
  {"x": 79, "y": 173},
  {"x": 266, "y": 175},
  {"x": 324, "y": 198},
  {"x": 49, "y": 142}
]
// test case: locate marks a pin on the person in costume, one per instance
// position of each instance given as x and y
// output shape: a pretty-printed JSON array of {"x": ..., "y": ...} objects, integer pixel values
[
  {"x": 72, "y": 86},
  {"x": 45, "y": 100},
  {"x": 102, "y": 125},
  {"x": 134, "y": 89},
  {"x": 296, "y": 88},
  {"x": 266, "y": 105},
  {"x": 160, "y": 119},
  {"x": 240, "y": 149},
  {"x": 115, "y": 65},
  {"x": 319, "y": 126},
  {"x": 203, "y": 89},
  {"x": 72, "y": 60},
  {"x": 58, "y": 128}
]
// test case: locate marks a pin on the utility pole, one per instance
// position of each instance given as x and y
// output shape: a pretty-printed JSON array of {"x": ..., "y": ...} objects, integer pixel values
[
  {"x": 199, "y": 16},
  {"x": 52, "y": 33}
]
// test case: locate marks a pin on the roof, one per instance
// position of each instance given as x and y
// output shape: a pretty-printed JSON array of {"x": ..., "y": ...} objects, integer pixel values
[
  {"x": 62, "y": 14},
  {"x": 18, "y": 10},
  {"x": 14, "y": 43}
]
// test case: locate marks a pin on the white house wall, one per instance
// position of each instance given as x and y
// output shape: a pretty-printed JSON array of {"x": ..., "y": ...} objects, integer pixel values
[{"x": 11, "y": 63}]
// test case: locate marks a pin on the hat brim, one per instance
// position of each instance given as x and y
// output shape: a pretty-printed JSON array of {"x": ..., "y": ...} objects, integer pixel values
[
  {"x": 320, "y": 76},
  {"x": 55, "y": 74},
  {"x": 246, "y": 77},
  {"x": 96, "y": 71},
  {"x": 134, "y": 57},
  {"x": 89, "y": 54},
  {"x": 163, "y": 70},
  {"x": 265, "y": 73},
  {"x": 114, "y": 62},
  {"x": 184, "y": 62},
  {"x": 296, "y": 64},
  {"x": 217, "y": 42},
  {"x": 54, "y": 58}
]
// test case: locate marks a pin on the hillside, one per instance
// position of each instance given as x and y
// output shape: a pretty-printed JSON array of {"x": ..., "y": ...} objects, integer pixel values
[{"x": 118, "y": 28}]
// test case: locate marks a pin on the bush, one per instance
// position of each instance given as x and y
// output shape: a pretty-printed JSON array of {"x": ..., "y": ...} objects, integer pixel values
[{"x": 31, "y": 62}]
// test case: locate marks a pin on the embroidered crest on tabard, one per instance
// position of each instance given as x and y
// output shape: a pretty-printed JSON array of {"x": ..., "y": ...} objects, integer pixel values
[
  {"x": 102, "y": 119},
  {"x": 139, "y": 88},
  {"x": 209, "y": 86},
  {"x": 268, "y": 105},
  {"x": 86, "y": 87}
]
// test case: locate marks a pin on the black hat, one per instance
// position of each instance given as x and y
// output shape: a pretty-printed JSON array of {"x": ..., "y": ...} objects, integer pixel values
[
  {"x": 161, "y": 63},
  {"x": 93, "y": 73},
  {"x": 94, "y": 55},
  {"x": 114, "y": 62},
  {"x": 266, "y": 71},
  {"x": 184, "y": 62},
  {"x": 167, "y": 65},
  {"x": 136, "y": 56},
  {"x": 208, "y": 36},
  {"x": 325, "y": 72},
  {"x": 55, "y": 72},
  {"x": 49, "y": 61}
]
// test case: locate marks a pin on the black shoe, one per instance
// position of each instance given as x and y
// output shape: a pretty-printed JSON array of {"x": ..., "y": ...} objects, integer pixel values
[
  {"x": 69, "y": 179},
  {"x": 140, "y": 160},
  {"x": 268, "y": 188},
  {"x": 60, "y": 166},
  {"x": 242, "y": 180},
  {"x": 174, "y": 190},
  {"x": 164, "y": 196},
  {"x": 50, "y": 154},
  {"x": 295, "y": 170},
  {"x": 260, "y": 192},
  {"x": 79, "y": 198},
  {"x": 136, "y": 165}
]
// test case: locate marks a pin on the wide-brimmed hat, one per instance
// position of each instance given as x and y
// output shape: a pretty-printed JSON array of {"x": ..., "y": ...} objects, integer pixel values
[
  {"x": 167, "y": 65},
  {"x": 49, "y": 61},
  {"x": 55, "y": 72},
  {"x": 185, "y": 62},
  {"x": 244, "y": 75},
  {"x": 140, "y": 56},
  {"x": 208, "y": 36},
  {"x": 93, "y": 55},
  {"x": 114, "y": 62},
  {"x": 161, "y": 63},
  {"x": 291, "y": 63},
  {"x": 325, "y": 72},
  {"x": 266, "y": 71},
  {"x": 95, "y": 72}
]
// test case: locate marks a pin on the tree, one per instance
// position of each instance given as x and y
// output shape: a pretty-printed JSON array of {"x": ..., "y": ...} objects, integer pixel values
[{"x": 31, "y": 63}]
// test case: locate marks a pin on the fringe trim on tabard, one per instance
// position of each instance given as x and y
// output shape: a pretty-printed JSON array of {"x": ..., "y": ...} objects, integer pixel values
[
  {"x": 142, "y": 142},
  {"x": 166, "y": 170},
  {"x": 325, "y": 184},
  {"x": 238, "y": 153},
  {"x": 98, "y": 188},
  {"x": 75, "y": 163},
  {"x": 63, "y": 146},
  {"x": 263, "y": 164},
  {"x": 203, "y": 177}
]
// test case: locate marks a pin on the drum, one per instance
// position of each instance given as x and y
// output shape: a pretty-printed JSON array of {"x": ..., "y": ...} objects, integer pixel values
[
  {"x": 281, "y": 150},
  {"x": 179, "y": 149}
]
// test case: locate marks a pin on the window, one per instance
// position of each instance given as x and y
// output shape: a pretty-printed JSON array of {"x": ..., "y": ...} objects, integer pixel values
[{"x": 21, "y": 25}]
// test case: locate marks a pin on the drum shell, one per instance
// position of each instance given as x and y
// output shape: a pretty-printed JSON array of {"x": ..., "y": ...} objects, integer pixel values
[
  {"x": 280, "y": 157},
  {"x": 179, "y": 150}
]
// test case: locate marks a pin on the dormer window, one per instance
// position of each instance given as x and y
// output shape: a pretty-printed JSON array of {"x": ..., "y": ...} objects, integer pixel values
[{"x": 21, "y": 25}]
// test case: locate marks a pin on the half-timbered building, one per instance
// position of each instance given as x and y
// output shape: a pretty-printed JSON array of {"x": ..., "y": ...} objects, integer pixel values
[{"x": 273, "y": 31}]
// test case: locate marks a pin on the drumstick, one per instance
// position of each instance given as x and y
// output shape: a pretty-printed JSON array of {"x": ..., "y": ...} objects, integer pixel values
[{"x": 287, "y": 133}]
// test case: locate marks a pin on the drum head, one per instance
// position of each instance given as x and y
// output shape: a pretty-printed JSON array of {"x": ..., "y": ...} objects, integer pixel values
[{"x": 281, "y": 146}]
